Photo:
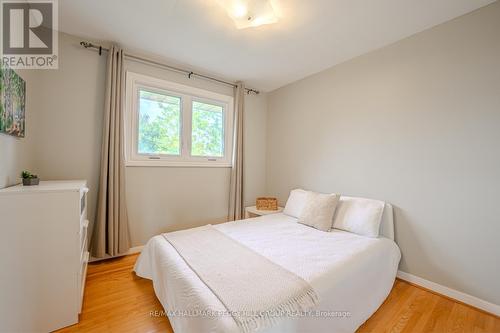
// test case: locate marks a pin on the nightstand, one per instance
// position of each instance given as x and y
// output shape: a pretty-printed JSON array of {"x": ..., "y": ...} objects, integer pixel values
[{"x": 252, "y": 211}]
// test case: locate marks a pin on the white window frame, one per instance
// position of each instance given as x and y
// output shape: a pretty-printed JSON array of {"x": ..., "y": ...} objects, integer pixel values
[{"x": 136, "y": 81}]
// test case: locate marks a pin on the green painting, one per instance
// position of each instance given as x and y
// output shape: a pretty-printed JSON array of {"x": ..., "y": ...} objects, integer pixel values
[{"x": 12, "y": 103}]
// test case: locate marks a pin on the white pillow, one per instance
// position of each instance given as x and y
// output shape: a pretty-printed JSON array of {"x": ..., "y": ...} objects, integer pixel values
[
  {"x": 295, "y": 203},
  {"x": 358, "y": 215},
  {"x": 318, "y": 210}
]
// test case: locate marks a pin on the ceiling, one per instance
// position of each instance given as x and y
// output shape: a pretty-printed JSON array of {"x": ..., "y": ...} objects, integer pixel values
[{"x": 311, "y": 35}]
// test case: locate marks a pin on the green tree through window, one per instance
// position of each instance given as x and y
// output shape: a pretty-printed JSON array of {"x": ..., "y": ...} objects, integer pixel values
[
  {"x": 159, "y": 124},
  {"x": 207, "y": 137}
]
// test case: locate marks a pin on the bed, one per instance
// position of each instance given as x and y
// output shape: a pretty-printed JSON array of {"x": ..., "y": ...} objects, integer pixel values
[{"x": 351, "y": 274}]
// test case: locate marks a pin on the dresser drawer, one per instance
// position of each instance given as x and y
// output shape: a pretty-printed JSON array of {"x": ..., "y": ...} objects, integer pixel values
[
  {"x": 84, "y": 227},
  {"x": 83, "y": 218},
  {"x": 83, "y": 202},
  {"x": 83, "y": 264},
  {"x": 82, "y": 277}
]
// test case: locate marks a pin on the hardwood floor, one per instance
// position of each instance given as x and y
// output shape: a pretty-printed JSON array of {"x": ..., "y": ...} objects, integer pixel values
[{"x": 116, "y": 300}]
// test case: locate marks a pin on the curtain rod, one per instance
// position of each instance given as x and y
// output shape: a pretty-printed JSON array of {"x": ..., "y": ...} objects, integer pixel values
[{"x": 190, "y": 74}]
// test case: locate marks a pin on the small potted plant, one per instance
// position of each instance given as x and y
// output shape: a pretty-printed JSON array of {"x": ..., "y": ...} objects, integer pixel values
[{"x": 29, "y": 179}]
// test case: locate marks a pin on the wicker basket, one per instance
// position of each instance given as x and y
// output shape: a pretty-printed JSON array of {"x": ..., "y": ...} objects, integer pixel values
[{"x": 265, "y": 203}]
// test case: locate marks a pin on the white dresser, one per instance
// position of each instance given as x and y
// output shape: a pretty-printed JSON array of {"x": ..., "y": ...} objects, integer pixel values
[{"x": 43, "y": 255}]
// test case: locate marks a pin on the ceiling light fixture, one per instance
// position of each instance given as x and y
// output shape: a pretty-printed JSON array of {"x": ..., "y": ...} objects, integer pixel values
[{"x": 250, "y": 13}]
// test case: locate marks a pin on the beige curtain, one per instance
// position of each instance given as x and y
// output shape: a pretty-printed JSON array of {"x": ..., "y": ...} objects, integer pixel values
[
  {"x": 111, "y": 234},
  {"x": 236, "y": 188}
]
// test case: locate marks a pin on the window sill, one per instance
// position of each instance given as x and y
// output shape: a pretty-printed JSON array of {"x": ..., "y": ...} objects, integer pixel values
[{"x": 177, "y": 164}]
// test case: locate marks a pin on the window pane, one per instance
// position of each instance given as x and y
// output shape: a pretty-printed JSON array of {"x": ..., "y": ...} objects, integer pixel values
[
  {"x": 207, "y": 130},
  {"x": 159, "y": 124}
]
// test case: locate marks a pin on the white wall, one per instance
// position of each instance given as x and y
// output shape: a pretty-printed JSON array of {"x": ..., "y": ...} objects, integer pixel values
[
  {"x": 417, "y": 124},
  {"x": 16, "y": 154},
  {"x": 255, "y": 143},
  {"x": 67, "y": 122},
  {"x": 68, "y": 129}
]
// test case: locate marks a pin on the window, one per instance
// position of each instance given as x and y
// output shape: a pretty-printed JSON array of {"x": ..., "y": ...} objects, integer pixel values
[
  {"x": 159, "y": 124},
  {"x": 207, "y": 131},
  {"x": 169, "y": 124}
]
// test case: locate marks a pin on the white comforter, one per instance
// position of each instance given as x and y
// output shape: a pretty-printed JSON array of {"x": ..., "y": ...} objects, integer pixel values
[{"x": 350, "y": 273}]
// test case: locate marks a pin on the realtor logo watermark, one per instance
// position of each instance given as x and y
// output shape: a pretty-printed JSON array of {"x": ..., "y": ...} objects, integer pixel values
[{"x": 29, "y": 34}]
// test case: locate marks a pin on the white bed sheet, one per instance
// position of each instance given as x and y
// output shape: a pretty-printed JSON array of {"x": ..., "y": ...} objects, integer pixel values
[{"x": 349, "y": 272}]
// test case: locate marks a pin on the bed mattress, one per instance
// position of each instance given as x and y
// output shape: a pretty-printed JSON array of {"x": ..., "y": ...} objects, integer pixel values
[{"x": 351, "y": 274}]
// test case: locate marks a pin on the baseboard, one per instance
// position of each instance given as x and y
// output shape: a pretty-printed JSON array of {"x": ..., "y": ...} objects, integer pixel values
[
  {"x": 132, "y": 250},
  {"x": 451, "y": 293}
]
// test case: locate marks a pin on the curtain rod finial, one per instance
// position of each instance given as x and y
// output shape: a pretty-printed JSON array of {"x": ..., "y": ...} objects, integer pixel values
[
  {"x": 85, "y": 44},
  {"x": 249, "y": 91}
]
